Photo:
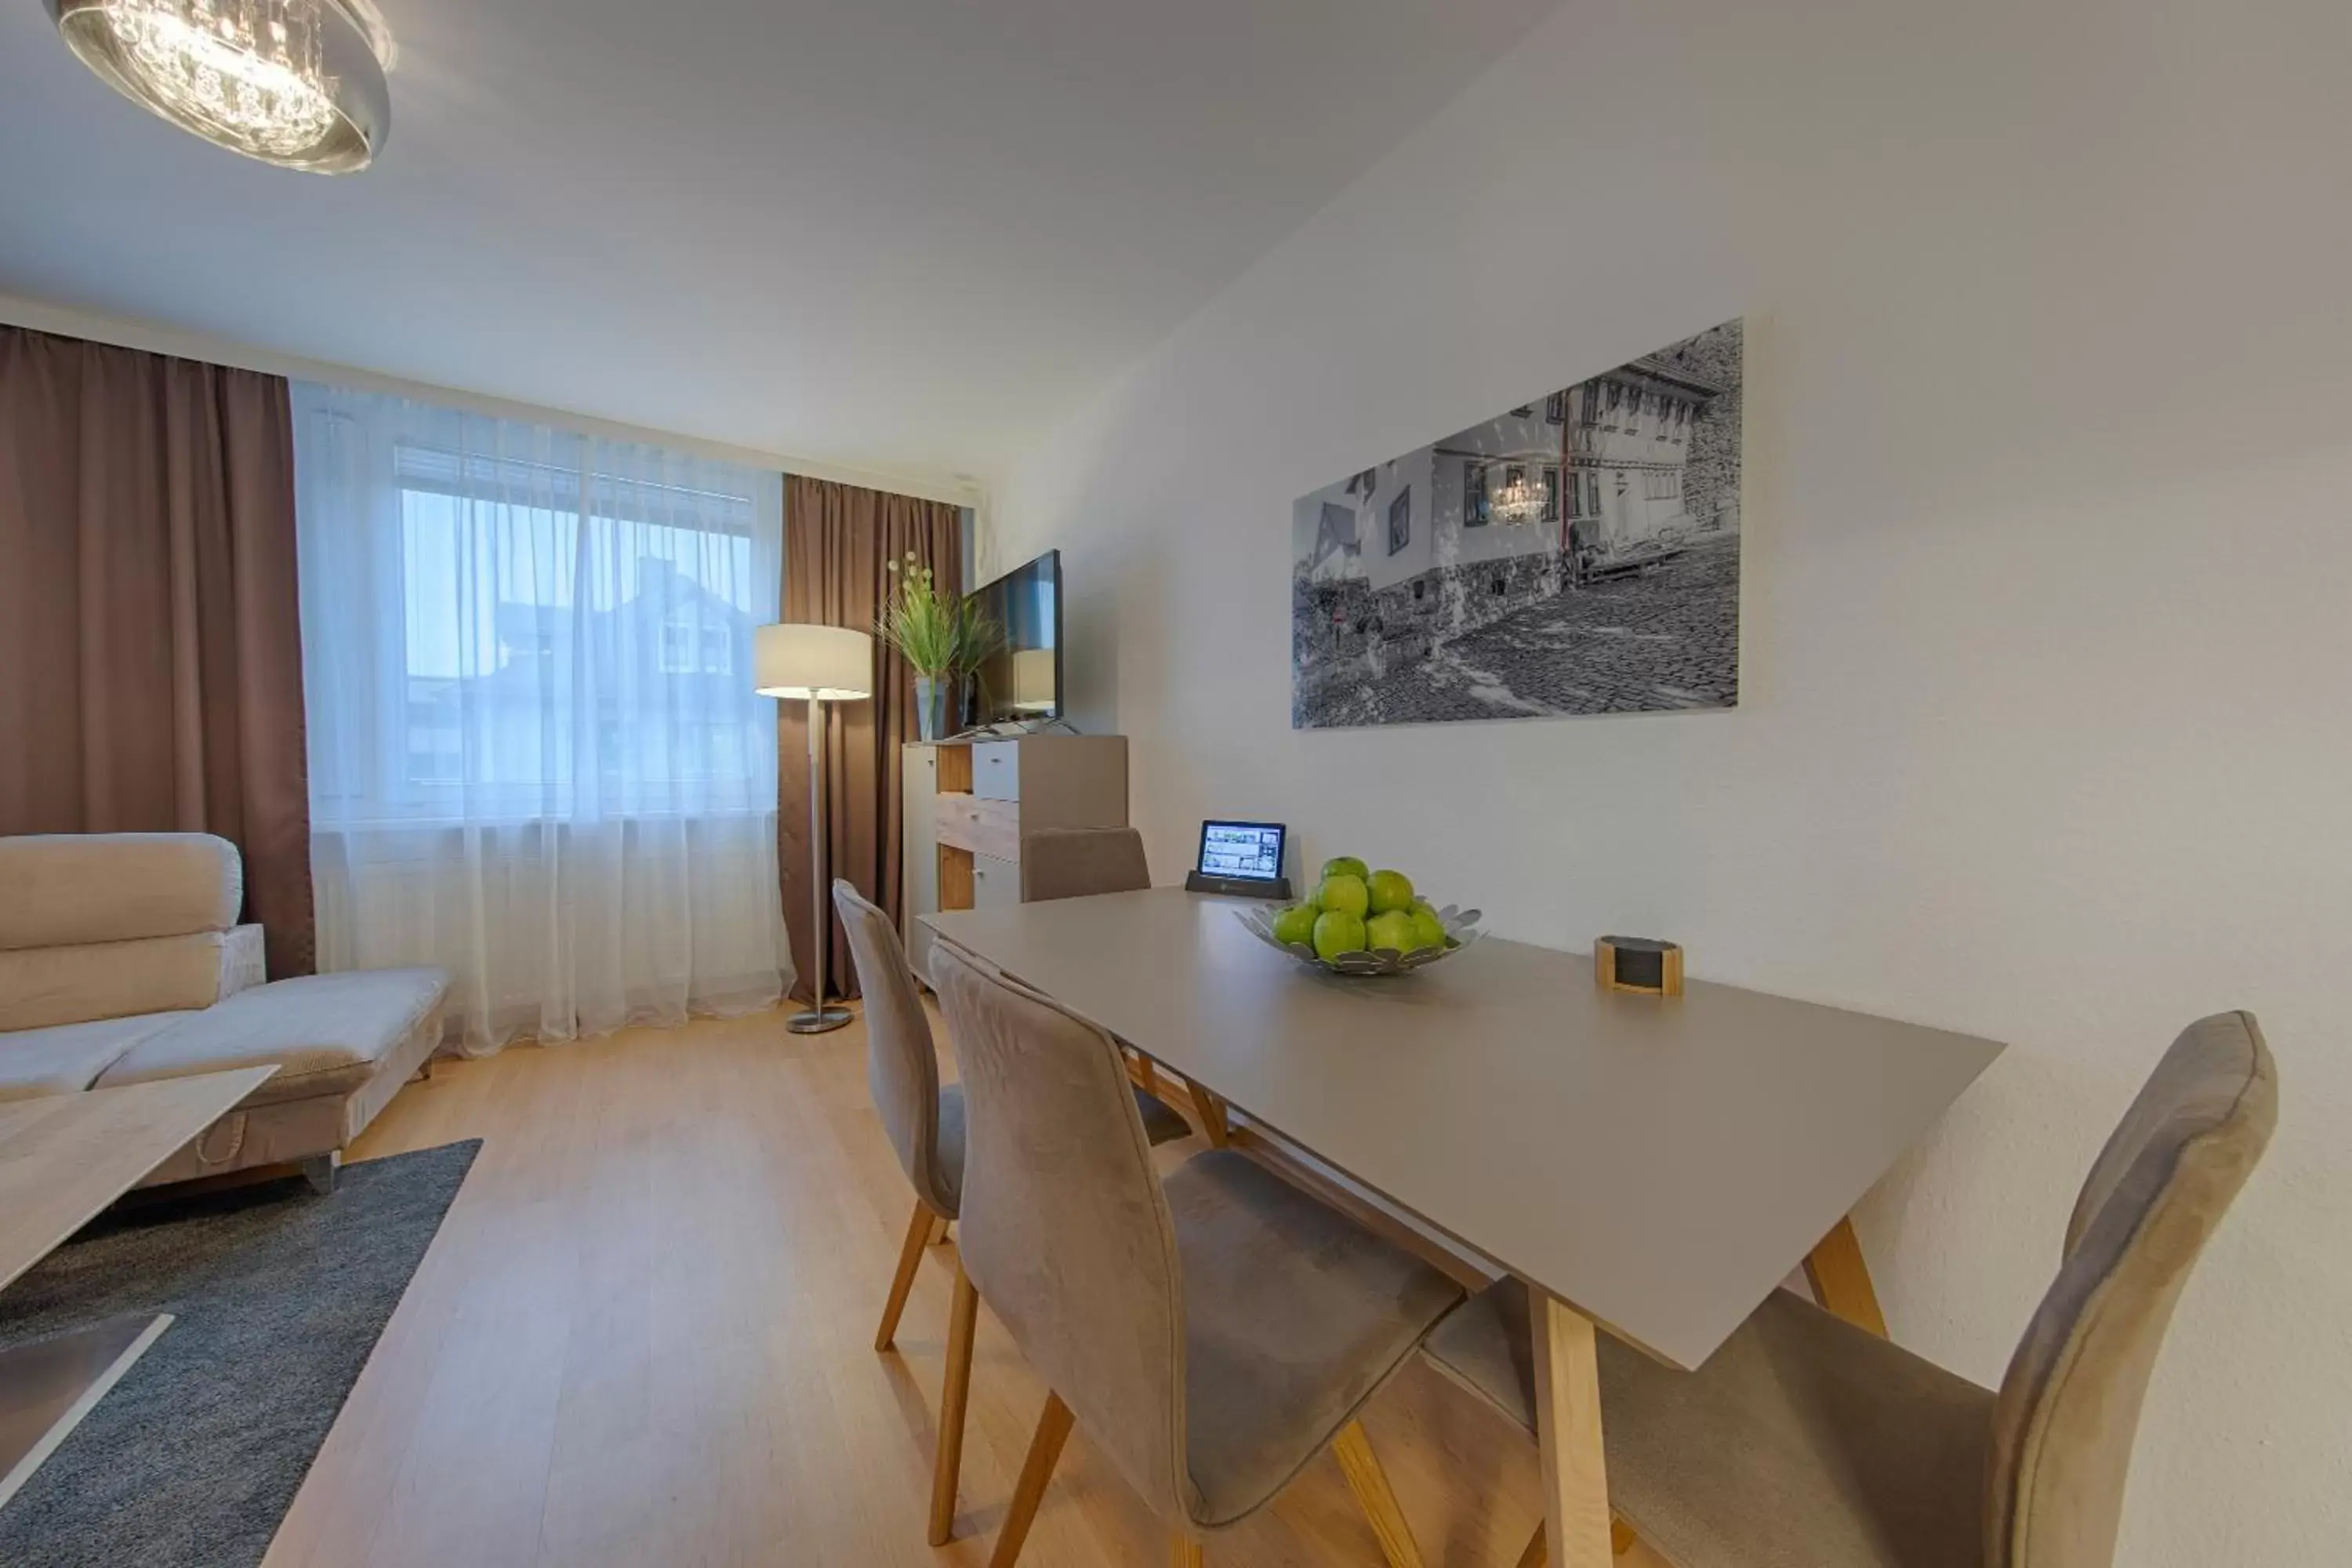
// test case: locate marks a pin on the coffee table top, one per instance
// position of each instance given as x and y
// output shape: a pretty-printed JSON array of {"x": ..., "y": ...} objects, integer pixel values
[
  {"x": 64, "y": 1157},
  {"x": 1658, "y": 1164}
]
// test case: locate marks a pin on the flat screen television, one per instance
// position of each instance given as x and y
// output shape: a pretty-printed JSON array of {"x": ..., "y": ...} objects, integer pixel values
[{"x": 1023, "y": 682}]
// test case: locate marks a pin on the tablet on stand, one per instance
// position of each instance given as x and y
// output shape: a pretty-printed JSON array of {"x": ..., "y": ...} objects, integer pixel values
[{"x": 1242, "y": 860}]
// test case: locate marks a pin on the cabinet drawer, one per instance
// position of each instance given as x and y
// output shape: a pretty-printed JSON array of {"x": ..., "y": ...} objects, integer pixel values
[
  {"x": 996, "y": 769},
  {"x": 983, "y": 827},
  {"x": 994, "y": 883}
]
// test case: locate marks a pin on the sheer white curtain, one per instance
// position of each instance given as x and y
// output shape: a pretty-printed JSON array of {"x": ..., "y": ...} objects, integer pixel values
[{"x": 536, "y": 758}]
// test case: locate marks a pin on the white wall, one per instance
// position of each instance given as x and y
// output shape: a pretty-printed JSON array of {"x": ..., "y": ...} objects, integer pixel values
[{"x": 2049, "y": 599}]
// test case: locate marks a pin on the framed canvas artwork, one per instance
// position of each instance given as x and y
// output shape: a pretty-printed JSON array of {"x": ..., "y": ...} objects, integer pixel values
[{"x": 1577, "y": 554}]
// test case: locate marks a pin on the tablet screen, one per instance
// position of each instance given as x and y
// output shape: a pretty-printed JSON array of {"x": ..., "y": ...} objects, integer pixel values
[{"x": 1251, "y": 851}]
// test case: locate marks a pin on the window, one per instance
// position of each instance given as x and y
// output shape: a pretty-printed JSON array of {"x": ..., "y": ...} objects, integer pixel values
[
  {"x": 677, "y": 650},
  {"x": 1401, "y": 520},
  {"x": 536, "y": 759},
  {"x": 1551, "y": 492},
  {"x": 1575, "y": 493},
  {"x": 1475, "y": 513},
  {"x": 523, "y": 619},
  {"x": 1556, "y": 408},
  {"x": 520, "y": 585},
  {"x": 689, "y": 648}
]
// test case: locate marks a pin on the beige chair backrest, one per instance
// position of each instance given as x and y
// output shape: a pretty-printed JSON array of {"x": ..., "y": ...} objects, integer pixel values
[
  {"x": 901, "y": 1072},
  {"x": 2070, "y": 1404},
  {"x": 1078, "y": 862},
  {"x": 1066, "y": 1231}
]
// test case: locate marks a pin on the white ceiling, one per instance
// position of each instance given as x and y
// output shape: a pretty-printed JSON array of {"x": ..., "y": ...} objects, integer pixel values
[{"x": 900, "y": 235}]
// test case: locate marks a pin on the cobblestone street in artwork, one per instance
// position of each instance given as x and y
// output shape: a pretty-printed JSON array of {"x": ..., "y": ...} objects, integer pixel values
[{"x": 1666, "y": 639}]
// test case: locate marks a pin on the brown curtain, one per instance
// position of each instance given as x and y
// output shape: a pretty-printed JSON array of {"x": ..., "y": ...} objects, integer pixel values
[
  {"x": 838, "y": 540},
  {"x": 151, "y": 653}
]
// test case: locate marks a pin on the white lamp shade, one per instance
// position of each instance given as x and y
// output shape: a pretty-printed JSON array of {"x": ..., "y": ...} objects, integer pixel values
[{"x": 797, "y": 659}]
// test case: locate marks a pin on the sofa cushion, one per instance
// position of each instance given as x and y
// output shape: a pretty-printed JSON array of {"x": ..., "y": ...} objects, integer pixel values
[
  {"x": 42, "y": 986},
  {"x": 69, "y": 1058},
  {"x": 71, "y": 887},
  {"x": 327, "y": 1033}
]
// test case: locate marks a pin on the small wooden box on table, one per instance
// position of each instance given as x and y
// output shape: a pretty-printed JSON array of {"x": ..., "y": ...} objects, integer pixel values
[{"x": 967, "y": 803}]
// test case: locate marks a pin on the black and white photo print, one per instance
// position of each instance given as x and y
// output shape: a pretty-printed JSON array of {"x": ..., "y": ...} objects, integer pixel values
[{"x": 1578, "y": 555}]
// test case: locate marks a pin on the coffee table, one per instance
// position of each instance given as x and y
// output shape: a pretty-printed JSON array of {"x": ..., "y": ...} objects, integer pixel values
[{"x": 63, "y": 1158}]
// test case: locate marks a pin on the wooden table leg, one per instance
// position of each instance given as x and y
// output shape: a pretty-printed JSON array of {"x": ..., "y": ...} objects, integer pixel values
[
  {"x": 1211, "y": 1111},
  {"x": 1840, "y": 1280},
  {"x": 1568, "y": 1425}
]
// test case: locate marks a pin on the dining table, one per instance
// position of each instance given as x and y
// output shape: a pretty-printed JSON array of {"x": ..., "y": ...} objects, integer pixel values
[{"x": 1652, "y": 1166}]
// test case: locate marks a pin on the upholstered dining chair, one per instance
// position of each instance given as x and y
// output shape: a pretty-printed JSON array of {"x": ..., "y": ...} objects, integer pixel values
[
  {"x": 1213, "y": 1333},
  {"x": 924, "y": 1120},
  {"x": 1078, "y": 862},
  {"x": 1806, "y": 1440}
]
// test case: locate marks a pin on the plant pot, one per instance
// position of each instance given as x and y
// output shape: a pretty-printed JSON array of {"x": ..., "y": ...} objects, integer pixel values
[{"x": 931, "y": 697}]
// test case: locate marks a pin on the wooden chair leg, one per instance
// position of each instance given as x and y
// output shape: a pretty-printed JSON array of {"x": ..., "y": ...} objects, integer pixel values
[
  {"x": 1373, "y": 1495},
  {"x": 910, "y": 1259},
  {"x": 938, "y": 1229},
  {"x": 1036, "y": 1470},
  {"x": 955, "y": 1393},
  {"x": 1621, "y": 1541},
  {"x": 1183, "y": 1552}
]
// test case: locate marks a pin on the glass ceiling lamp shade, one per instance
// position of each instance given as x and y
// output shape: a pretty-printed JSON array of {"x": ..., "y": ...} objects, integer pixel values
[
  {"x": 298, "y": 83},
  {"x": 821, "y": 664}
]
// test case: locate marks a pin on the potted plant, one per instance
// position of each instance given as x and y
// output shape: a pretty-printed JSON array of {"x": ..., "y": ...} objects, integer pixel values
[
  {"x": 944, "y": 636},
  {"x": 979, "y": 639}
]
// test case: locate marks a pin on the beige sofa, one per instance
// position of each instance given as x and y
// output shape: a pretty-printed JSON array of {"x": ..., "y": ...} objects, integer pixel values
[{"x": 122, "y": 962}]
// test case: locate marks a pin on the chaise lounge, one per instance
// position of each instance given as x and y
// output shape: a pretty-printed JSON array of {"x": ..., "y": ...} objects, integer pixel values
[{"x": 121, "y": 963}]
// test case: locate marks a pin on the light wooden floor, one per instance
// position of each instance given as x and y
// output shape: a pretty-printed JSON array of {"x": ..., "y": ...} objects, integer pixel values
[{"x": 643, "y": 1337}]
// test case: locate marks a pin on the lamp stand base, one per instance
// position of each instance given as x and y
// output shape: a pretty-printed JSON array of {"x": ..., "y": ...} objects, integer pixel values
[{"x": 818, "y": 1023}]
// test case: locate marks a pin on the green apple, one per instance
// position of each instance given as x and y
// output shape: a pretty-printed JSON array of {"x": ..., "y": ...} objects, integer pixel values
[
  {"x": 1337, "y": 931},
  {"x": 1428, "y": 931},
  {"x": 1345, "y": 866},
  {"x": 1296, "y": 924},
  {"x": 1392, "y": 931},
  {"x": 1391, "y": 891},
  {"x": 1343, "y": 894}
]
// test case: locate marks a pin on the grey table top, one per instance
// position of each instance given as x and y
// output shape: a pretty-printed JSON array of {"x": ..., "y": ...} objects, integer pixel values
[{"x": 1659, "y": 1165}]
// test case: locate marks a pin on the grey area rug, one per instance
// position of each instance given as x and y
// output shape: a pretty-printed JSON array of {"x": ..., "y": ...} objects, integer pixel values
[{"x": 193, "y": 1458}]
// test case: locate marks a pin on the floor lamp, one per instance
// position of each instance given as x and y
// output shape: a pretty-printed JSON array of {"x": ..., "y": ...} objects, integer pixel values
[{"x": 823, "y": 664}]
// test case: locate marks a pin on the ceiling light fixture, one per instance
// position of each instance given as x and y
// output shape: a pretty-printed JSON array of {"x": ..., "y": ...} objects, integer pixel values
[{"x": 300, "y": 83}]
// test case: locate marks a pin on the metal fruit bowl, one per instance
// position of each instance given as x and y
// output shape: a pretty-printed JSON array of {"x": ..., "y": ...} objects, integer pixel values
[{"x": 1461, "y": 931}]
